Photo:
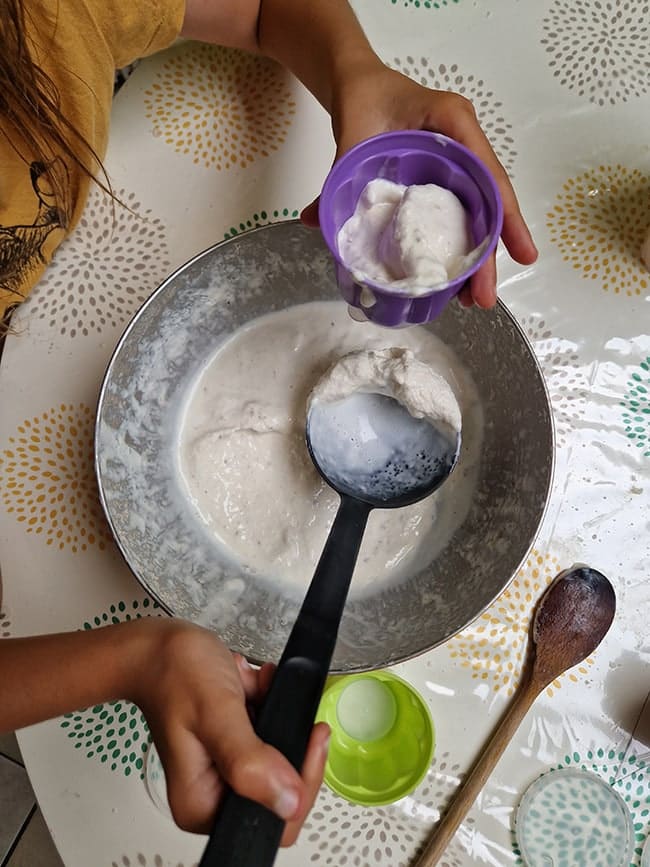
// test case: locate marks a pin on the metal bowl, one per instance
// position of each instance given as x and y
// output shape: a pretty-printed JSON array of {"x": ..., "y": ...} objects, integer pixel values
[{"x": 138, "y": 421}]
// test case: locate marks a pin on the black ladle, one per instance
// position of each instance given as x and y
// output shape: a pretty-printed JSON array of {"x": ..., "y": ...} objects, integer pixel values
[{"x": 375, "y": 455}]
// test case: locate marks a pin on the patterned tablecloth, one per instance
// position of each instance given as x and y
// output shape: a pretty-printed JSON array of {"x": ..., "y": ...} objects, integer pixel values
[{"x": 207, "y": 143}]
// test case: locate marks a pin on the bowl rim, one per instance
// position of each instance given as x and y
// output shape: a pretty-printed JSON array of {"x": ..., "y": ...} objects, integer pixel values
[{"x": 150, "y": 591}]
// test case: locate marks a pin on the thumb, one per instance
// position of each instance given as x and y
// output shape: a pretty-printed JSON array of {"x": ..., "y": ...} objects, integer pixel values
[
  {"x": 251, "y": 767},
  {"x": 309, "y": 214},
  {"x": 222, "y": 750}
]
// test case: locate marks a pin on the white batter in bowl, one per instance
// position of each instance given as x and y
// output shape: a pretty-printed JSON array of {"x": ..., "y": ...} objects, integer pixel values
[{"x": 246, "y": 465}]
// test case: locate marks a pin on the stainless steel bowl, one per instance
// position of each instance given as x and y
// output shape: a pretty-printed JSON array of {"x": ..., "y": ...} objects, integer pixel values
[{"x": 138, "y": 421}]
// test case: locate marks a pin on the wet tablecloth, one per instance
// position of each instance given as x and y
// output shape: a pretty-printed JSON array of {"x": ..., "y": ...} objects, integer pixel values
[{"x": 208, "y": 142}]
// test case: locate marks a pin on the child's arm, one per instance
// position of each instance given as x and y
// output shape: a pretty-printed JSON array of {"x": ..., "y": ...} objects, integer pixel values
[
  {"x": 323, "y": 44},
  {"x": 193, "y": 693}
]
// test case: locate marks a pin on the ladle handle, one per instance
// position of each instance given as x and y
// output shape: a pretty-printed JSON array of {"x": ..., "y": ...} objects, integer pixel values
[
  {"x": 245, "y": 833},
  {"x": 480, "y": 772}
]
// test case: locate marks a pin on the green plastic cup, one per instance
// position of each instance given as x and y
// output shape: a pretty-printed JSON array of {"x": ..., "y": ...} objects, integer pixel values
[{"x": 382, "y": 737}]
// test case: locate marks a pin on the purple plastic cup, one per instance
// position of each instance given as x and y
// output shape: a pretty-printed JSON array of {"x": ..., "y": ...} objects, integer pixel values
[{"x": 408, "y": 157}]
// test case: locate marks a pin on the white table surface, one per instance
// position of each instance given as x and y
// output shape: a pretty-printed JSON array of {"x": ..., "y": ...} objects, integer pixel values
[{"x": 564, "y": 93}]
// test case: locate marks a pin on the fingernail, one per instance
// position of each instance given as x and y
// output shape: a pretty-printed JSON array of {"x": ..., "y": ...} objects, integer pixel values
[
  {"x": 326, "y": 744},
  {"x": 286, "y": 804}
]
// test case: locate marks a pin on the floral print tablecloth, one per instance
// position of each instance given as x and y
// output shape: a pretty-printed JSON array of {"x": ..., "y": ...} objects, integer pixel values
[{"x": 207, "y": 143}]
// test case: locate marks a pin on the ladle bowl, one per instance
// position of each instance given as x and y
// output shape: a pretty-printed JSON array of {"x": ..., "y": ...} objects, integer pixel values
[{"x": 369, "y": 448}]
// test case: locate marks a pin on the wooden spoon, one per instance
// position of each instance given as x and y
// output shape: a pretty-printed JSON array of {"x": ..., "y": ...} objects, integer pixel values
[{"x": 571, "y": 619}]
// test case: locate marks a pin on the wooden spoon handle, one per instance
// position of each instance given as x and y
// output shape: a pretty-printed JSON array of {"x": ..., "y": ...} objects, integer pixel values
[{"x": 471, "y": 786}]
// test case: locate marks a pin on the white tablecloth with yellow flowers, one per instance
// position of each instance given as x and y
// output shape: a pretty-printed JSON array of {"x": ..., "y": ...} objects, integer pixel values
[{"x": 207, "y": 143}]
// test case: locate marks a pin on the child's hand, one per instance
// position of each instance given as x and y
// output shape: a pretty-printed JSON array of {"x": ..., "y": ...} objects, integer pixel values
[
  {"x": 377, "y": 99},
  {"x": 195, "y": 698}
]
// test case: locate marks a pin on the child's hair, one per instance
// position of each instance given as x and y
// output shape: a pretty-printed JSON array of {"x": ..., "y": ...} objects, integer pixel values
[{"x": 30, "y": 109}]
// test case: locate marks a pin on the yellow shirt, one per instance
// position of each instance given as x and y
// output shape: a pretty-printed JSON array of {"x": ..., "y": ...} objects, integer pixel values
[{"x": 79, "y": 44}]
